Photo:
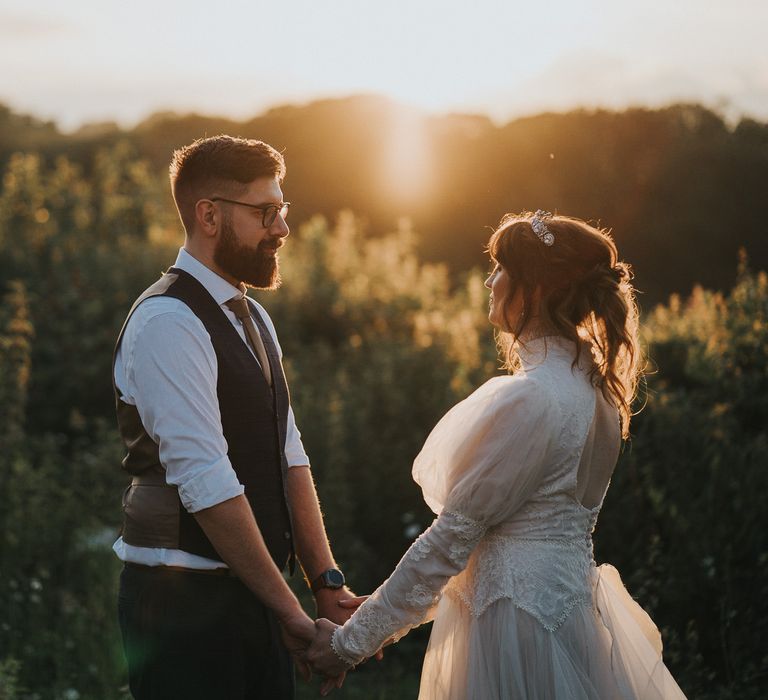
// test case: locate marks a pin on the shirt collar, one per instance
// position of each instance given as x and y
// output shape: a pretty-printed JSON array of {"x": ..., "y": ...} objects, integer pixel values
[{"x": 221, "y": 290}]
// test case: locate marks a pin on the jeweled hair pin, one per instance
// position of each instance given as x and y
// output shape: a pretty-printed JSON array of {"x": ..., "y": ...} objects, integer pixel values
[{"x": 540, "y": 227}]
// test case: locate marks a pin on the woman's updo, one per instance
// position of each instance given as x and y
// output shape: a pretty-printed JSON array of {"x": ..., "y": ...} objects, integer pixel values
[{"x": 576, "y": 287}]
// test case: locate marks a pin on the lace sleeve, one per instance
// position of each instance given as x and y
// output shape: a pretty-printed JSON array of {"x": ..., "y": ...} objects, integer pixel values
[{"x": 409, "y": 596}]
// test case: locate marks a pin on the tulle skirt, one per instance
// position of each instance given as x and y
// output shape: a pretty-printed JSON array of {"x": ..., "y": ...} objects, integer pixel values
[{"x": 609, "y": 652}]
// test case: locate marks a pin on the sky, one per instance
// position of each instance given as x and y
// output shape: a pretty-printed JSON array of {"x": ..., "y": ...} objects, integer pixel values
[{"x": 100, "y": 60}]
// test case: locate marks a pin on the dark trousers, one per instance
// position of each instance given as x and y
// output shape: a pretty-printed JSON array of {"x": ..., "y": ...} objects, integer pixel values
[{"x": 189, "y": 635}]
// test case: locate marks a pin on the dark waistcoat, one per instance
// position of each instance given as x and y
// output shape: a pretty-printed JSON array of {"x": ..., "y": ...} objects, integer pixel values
[{"x": 254, "y": 420}]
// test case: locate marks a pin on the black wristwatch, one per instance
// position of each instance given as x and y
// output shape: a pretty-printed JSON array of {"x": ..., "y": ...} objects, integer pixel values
[{"x": 333, "y": 578}]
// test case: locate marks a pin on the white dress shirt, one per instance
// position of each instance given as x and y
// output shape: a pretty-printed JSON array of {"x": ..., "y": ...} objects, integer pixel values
[{"x": 166, "y": 367}]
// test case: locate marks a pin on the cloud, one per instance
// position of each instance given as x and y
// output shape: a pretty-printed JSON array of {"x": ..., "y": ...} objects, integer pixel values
[{"x": 591, "y": 79}]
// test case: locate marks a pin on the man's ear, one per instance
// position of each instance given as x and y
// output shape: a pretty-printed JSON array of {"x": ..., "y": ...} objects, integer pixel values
[{"x": 207, "y": 217}]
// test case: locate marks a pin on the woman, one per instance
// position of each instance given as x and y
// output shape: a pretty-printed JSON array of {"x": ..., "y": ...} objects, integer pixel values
[{"x": 517, "y": 473}]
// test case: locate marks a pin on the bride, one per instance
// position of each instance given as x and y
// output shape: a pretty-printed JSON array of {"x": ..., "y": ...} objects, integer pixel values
[{"x": 516, "y": 474}]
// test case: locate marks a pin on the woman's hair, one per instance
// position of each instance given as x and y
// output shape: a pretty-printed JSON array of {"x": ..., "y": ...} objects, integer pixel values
[{"x": 585, "y": 294}]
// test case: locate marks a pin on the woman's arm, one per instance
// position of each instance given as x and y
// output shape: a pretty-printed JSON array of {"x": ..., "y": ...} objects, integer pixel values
[{"x": 405, "y": 600}]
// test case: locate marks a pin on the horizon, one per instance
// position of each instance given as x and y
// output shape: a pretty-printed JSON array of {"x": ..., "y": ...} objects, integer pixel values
[
  {"x": 88, "y": 63},
  {"x": 730, "y": 118}
]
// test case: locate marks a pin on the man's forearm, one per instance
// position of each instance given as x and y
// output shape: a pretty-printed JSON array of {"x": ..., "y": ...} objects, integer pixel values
[
  {"x": 232, "y": 529},
  {"x": 312, "y": 547}
]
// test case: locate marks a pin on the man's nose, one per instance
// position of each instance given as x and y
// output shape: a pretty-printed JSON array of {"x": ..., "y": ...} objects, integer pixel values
[{"x": 279, "y": 228}]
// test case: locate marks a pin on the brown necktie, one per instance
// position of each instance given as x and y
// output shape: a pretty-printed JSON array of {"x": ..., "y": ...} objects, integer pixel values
[{"x": 241, "y": 310}]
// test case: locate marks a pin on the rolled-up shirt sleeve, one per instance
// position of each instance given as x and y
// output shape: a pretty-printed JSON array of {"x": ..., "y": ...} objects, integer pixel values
[
  {"x": 294, "y": 448},
  {"x": 171, "y": 377}
]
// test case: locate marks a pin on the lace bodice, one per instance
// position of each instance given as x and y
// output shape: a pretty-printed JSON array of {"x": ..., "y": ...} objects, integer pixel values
[
  {"x": 545, "y": 571},
  {"x": 501, "y": 470}
]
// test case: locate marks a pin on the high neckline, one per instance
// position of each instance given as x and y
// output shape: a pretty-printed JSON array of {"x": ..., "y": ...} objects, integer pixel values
[{"x": 534, "y": 351}]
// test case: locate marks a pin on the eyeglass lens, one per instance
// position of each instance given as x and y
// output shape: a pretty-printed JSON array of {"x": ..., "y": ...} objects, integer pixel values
[{"x": 271, "y": 212}]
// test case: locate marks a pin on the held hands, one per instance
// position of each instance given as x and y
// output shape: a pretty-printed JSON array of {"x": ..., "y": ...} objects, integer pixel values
[
  {"x": 309, "y": 643},
  {"x": 299, "y": 631},
  {"x": 339, "y": 605},
  {"x": 334, "y": 608},
  {"x": 323, "y": 658}
]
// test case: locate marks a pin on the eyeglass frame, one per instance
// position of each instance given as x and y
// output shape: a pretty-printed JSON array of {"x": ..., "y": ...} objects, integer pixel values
[{"x": 263, "y": 208}]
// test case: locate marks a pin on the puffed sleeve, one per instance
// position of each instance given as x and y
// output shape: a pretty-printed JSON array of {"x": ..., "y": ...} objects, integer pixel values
[{"x": 480, "y": 464}]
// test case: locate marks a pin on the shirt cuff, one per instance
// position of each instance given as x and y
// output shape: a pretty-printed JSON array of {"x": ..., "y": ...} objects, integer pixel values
[
  {"x": 210, "y": 486},
  {"x": 296, "y": 457}
]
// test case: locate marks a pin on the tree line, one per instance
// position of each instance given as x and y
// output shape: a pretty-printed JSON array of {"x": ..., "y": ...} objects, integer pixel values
[{"x": 681, "y": 188}]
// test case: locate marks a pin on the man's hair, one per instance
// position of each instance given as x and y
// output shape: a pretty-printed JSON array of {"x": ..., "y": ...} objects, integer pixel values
[{"x": 219, "y": 165}]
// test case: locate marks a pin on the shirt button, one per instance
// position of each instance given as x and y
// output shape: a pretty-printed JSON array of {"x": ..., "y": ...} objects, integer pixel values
[{"x": 287, "y": 535}]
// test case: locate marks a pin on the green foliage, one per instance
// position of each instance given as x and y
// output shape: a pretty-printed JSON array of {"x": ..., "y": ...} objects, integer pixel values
[
  {"x": 685, "y": 519},
  {"x": 84, "y": 247},
  {"x": 9, "y": 687},
  {"x": 74, "y": 252},
  {"x": 57, "y": 577},
  {"x": 378, "y": 345}
]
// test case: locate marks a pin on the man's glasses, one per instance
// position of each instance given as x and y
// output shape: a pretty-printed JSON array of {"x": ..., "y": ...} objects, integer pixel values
[{"x": 269, "y": 212}]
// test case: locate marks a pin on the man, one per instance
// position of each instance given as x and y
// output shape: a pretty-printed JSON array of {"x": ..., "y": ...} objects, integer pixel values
[{"x": 222, "y": 495}]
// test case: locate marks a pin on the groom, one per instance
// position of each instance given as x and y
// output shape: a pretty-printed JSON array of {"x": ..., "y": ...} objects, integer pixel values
[{"x": 222, "y": 498}]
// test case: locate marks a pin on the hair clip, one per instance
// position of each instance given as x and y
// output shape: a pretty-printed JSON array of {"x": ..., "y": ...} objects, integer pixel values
[{"x": 540, "y": 228}]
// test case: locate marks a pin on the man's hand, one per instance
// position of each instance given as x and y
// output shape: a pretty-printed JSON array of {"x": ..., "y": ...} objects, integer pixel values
[
  {"x": 323, "y": 658},
  {"x": 329, "y": 604},
  {"x": 298, "y": 631}
]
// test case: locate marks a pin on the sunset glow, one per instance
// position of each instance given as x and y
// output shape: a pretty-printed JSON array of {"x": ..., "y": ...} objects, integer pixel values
[
  {"x": 406, "y": 166},
  {"x": 89, "y": 61}
]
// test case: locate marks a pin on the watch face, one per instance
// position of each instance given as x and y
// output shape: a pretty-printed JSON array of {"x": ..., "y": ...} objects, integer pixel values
[{"x": 334, "y": 578}]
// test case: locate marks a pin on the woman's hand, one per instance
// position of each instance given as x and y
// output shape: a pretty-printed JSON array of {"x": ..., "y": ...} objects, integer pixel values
[{"x": 352, "y": 603}]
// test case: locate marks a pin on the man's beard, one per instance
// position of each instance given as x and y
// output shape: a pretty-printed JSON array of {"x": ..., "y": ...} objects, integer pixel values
[{"x": 254, "y": 267}]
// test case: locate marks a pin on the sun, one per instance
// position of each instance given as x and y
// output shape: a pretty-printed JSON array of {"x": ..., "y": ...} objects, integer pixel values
[{"x": 406, "y": 163}]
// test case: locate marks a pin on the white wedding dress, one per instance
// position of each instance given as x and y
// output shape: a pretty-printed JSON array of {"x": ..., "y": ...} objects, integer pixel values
[{"x": 516, "y": 474}]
